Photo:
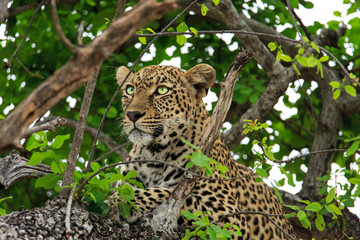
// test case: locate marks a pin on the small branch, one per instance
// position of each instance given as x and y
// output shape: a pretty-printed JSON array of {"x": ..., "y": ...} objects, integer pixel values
[
  {"x": 338, "y": 62},
  {"x": 260, "y": 34},
  {"x": 27, "y": 70},
  {"x": 293, "y": 18},
  {"x": 120, "y": 9},
  {"x": 51, "y": 126},
  {"x": 79, "y": 134},
  {"x": 58, "y": 29},
  {"x": 24, "y": 37},
  {"x": 80, "y": 33},
  {"x": 312, "y": 153},
  {"x": 68, "y": 213}
]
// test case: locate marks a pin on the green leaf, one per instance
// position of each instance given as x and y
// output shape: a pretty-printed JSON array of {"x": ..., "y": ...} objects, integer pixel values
[
  {"x": 59, "y": 141},
  {"x": 216, "y": 2},
  {"x": 352, "y": 149},
  {"x": 324, "y": 58},
  {"x": 354, "y": 181},
  {"x": 34, "y": 145},
  {"x": 56, "y": 167},
  {"x": 278, "y": 56},
  {"x": 37, "y": 157},
  {"x": 124, "y": 209},
  {"x": 150, "y": 30},
  {"x": 272, "y": 46},
  {"x": 188, "y": 215},
  {"x": 286, "y": 58},
  {"x": 100, "y": 208},
  {"x": 95, "y": 166},
  {"x": 350, "y": 90},
  {"x": 194, "y": 31},
  {"x": 131, "y": 174},
  {"x": 312, "y": 61},
  {"x": 336, "y": 94},
  {"x": 293, "y": 207},
  {"x": 334, "y": 209},
  {"x": 199, "y": 159},
  {"x": 314, "y": 46},
  {"x": 262, "y": 172},
  {"x": 330, "y": 196},
  {"x": 181, "y": 39},
  {"x": 182, "y": 27},
  {"x": 204, "y": 10},
  {"x": 319, "y": 222},
  {"x": 335, "y": 84},
  {"x": 296, "y": 69},
  {"x": 48, "y": 181},
  {"x": 337, "y": 14},
  {"x": 304, "y": 219},
  {"x": 142, "y": 40},
  {"x": 2, "y": 212},
  {"x": 126, "y": 192},
  {"x": 314, "y": 207}
]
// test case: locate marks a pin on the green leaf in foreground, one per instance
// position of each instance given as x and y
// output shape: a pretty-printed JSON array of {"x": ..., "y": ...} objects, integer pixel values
[
  {"x": 350, "y": 90},
  {"x": 48, "y": 181}
]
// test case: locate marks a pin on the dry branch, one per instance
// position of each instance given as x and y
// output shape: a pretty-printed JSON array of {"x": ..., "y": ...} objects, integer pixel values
[
  {"x": 79, "y": 134},
  {"x": 77, "y": 70},
  {"x": 13, "y": 168},
  {"x": 222, "y": 107}
]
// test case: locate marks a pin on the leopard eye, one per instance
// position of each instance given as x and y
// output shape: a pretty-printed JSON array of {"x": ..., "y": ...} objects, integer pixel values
[
  {"x": 162, "y": 90},
  {"x": 130, "y": 90}
]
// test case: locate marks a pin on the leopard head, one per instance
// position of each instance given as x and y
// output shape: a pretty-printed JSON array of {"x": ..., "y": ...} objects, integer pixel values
[{"x": 163, "y": 101}]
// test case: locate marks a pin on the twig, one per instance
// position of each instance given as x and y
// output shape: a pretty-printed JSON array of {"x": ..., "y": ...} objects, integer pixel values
[
  {"x": 164, "y": 34},
  {"x": 78, "y": 136},
  {"x": 338, "y": 62},
  {"x": 312, "y": 153},
  {"x": 110, "y": 152},
  {"x": 51, "y": 126},
  {"x": 265, "y": 214},
  {"x": 26, "y": 69},
  {"x": 26, "y": 33},
  {"x": 293, "y": 18},
  {"x": 131, "y": 69},
  {"x": 68, "y": 213},
  {"x": 58, "y": 29},
  {"x": 191, "y": 173},
  {"x": 120, "y": 9},
  {"x": 80, "y": 33}
]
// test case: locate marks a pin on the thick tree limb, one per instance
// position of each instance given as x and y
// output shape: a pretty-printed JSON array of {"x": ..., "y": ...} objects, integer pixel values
[
  {"x": 77, "y": 70},
  {"x": 13, "y": 168}
]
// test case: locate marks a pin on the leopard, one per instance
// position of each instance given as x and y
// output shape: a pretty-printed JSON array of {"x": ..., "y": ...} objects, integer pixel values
[{"x": 163, "y": 106}]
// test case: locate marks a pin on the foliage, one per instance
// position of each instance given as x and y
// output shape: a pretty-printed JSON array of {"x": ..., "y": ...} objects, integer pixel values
[{"x": 206, "y": 229}]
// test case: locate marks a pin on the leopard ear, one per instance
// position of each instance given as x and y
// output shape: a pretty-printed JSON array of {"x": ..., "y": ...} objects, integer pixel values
[
  {"x": 201, "y": 78},
  {"x": 121, "y": 74}
]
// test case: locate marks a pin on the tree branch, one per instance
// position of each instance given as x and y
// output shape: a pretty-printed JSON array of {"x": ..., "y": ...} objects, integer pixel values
[
  {"x": 78, "y": 136},
  {"x": 51, "y": 126},
  {"x": 77, "y": 70},
  {"x": 58, "y": 29},
  {"x": 26, "y": 33}
]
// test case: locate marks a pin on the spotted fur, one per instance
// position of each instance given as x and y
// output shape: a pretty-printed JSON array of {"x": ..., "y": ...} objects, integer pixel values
[{"x": 155, "y": 122}]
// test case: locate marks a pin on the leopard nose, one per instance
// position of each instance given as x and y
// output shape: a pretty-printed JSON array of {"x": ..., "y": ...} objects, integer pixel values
[{"x": 134, "y": 115}]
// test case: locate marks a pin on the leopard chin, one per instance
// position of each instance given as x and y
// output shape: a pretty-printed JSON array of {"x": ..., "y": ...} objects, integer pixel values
[{"x": 139, "y": 137}]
